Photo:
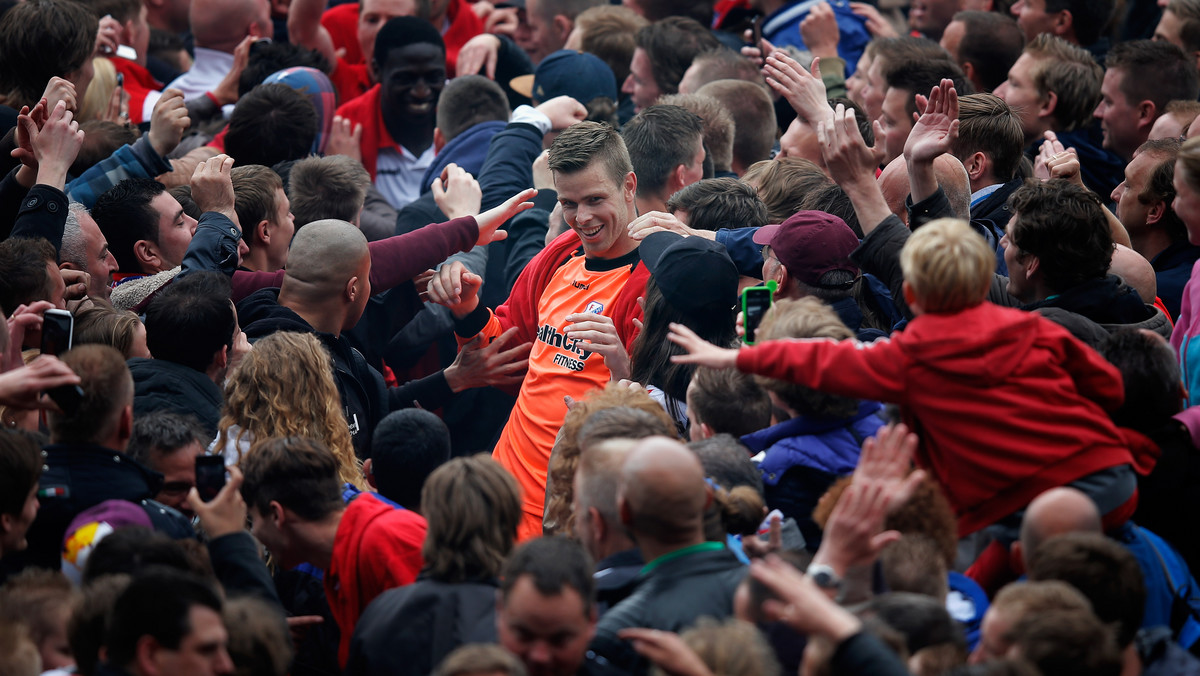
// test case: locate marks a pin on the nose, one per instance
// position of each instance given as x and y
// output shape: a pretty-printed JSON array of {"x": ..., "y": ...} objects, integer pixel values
[
  {"x": 1001, "y": 91},
  {"x": 539, "y": 653},
  {"x": 1117, "y": 192},
  {"x": 627, "y": 86}
]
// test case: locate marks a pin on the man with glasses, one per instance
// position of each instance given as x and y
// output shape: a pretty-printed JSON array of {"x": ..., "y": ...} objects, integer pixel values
[{"x": 169, "y": 444}]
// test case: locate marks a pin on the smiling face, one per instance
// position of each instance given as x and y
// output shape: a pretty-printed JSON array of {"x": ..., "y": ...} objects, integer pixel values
[
  {"x": 598, "y": 209},
  {"x": 413, "y": 78},
  {"x": 101, "y": 263}
]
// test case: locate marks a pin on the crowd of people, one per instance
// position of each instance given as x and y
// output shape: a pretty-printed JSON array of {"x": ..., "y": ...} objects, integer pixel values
[{"x": 556, "y": 337}]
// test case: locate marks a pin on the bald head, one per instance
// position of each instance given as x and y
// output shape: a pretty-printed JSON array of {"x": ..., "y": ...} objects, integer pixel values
[
  {"x": 222, "y": 24},
  {"x": 950, "y": 173},
  {"x": 662, "y": 494},
  {"x": 1055, "y": 512},
  {"x": 324, "y": 256},
  {"x": 1135, "y": 271}
]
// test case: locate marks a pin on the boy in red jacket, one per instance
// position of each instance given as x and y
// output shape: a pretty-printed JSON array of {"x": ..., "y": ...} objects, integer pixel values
[
  {"x": 364, "y": 547},
  {"x": 1007, "y": 404}
]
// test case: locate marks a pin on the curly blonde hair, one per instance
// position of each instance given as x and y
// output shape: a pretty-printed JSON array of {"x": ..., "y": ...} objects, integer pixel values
[
  {"x": 564, "y": 459},
  {"x": 284, "y": 388}
]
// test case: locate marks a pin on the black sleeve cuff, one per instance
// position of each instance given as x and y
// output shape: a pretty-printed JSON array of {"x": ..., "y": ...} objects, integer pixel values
[{"x": 473, "y": 323}]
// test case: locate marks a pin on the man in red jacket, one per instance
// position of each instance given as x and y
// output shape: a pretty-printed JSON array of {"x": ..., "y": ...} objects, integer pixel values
[{"x": 364, "y": 547}]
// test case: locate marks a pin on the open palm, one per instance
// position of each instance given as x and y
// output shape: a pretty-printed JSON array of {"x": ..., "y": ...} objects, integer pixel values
[{"x": 936, "y": 128}]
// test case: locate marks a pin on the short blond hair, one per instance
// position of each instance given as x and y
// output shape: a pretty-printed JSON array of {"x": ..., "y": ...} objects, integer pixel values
[{"x": 947, "y": 265}]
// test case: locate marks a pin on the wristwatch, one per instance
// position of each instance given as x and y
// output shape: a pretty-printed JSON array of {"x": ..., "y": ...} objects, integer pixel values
[{"x": 824, "y": 576}]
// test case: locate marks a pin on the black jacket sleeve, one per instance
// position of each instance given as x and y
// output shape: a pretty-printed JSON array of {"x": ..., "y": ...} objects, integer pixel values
[
  {"x": 43, "y": 213},
  {"x": 879, "y": 255}
]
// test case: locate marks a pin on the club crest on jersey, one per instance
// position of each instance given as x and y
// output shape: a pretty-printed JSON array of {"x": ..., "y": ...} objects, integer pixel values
[{"x": 595, "y": 307}]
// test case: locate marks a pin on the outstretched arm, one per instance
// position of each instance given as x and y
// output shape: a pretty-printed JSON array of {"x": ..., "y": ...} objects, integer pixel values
[{"x": 852, "y": 165}]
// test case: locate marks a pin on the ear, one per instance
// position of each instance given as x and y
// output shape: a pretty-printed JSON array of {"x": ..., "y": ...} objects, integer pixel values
[
  {"x": 127, "y": 32},
  {"x": 439, "y": 140},
  {"x": 276, "y": 512},
  {"x": 678, "y": 176},
  {"x": 969, "y": 70},
  {"x": 599, "y": 527},
  {"x": 221, "y": 357},
  {"x": 352, "y": 289},
  {"x": 1032, "y": 265},
  {"x": 630, "y": 186},
  {"x": 125, "y": 425},
  {"x": 146, "y": 253},
  {"x": 706, "y": 432},
  {"x": 262, "y": 232},
  {"x": 1017, "y": 558},
  {"x": 145, "y": 655},
  {"x": 67, "y": 265},
  {"x": 1048, "y": 105},
  {"x": 624, "y": 513},
  {"x": 1146, "y": 112},
  {"x": 254, "y": 30},
  {"x": 562, "y": 26},
  {"x": 368, "y": 470},
  {"x": 977, "y": 165},
  {"x": 1064, "y": 23},
  {"x": 1156, "y": 212},
  {"x": 6, "y": 520}
]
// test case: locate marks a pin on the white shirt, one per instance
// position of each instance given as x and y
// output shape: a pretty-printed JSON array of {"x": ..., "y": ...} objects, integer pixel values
[
  {"x": 398, "y": 174},
  {"x": 209, "y": 68}
]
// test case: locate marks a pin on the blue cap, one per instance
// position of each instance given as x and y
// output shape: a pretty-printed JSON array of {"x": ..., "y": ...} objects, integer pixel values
[{"x": 580, "y": 75}]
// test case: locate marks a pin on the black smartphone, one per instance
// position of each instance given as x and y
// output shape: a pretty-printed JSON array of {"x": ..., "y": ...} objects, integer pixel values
[
  {"x": 758, "y": 24},
  {"x": 58, "y": 330},
  {"x": 756, "y": 300},
  {"x": 210, "y": 476}
]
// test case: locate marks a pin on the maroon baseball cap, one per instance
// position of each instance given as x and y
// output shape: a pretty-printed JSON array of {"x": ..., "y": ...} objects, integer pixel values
[{"x": 811, "y": 243}]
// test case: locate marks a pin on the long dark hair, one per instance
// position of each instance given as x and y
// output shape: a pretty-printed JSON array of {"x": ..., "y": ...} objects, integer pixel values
[{"x": 651, "y": 359}]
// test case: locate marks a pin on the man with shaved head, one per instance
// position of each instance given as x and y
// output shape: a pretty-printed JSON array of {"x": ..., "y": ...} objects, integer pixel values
[
  {"x": 325, "y": 289},
  {"x": 661, "y": 500}
]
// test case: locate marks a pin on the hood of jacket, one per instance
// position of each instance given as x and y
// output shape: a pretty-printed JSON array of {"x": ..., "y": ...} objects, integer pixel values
[
  {"x": 985, "y": 342},
  {"x": 829, "y": 445},
  {"x": 467, "y": 150},
  {"x": 159, "y": 385}
]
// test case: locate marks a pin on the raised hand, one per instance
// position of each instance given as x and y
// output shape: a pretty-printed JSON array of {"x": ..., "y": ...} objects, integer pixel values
[
  {"x": 56, "y": 146},
  {"x": 700, "y": 351},
  {"x": 877, "y": 26},
  {"x": 24, "y": 319},
  {"x": 667, "y": 651},
  {"x": 490, "y": 220},
  {"x": 168, "y": 122},
  {"x": 345, "y": 138},
  {"x": 481, "y": 363},
  {"x": 212, "y": 186},
  {"x": 601, "y": 335},
  {"x": 563, "y": 112},
  {"x": 456, "y": 192},
  {"x": 108, "y": 35},
  {"x": 936, "y": 128},
  {"x": 819, "y": 30},
  {"x": 755, "y": 52},
  {"x": 804, "y": 90},
  {"x": 854, "y": 534},
  {"x": 57, "y": 89},
  {"x": 846, "y": 154},
  {"x": 886, "y": 458},
  {"x": 800, "y": 603},
  {"x": 22, "y": 387},
  {"x": 226, "y": 92},
  {"x": 1055, "y": 161},
  {"x": 479, "y": 53}
]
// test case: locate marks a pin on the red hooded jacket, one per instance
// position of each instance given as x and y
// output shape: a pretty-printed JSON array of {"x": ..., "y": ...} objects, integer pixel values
[
  {"x": 377, "y": 547},
  {"x": 1007, "y": 403}
]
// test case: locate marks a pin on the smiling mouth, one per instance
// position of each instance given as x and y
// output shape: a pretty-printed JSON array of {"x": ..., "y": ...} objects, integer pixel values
[{"x": 591, "y": 232}]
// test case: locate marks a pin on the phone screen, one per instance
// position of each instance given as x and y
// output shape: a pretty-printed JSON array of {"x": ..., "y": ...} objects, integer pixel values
[
  {"x": 58, "y": 327},
  {"x": 756, "y": 300},
  {"x": 210, "y": 476}
]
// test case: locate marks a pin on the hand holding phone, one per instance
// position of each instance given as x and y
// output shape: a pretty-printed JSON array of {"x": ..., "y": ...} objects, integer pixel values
[
  {"x": 756, "y": 300},
  {"x": 210, "y": 476}
]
